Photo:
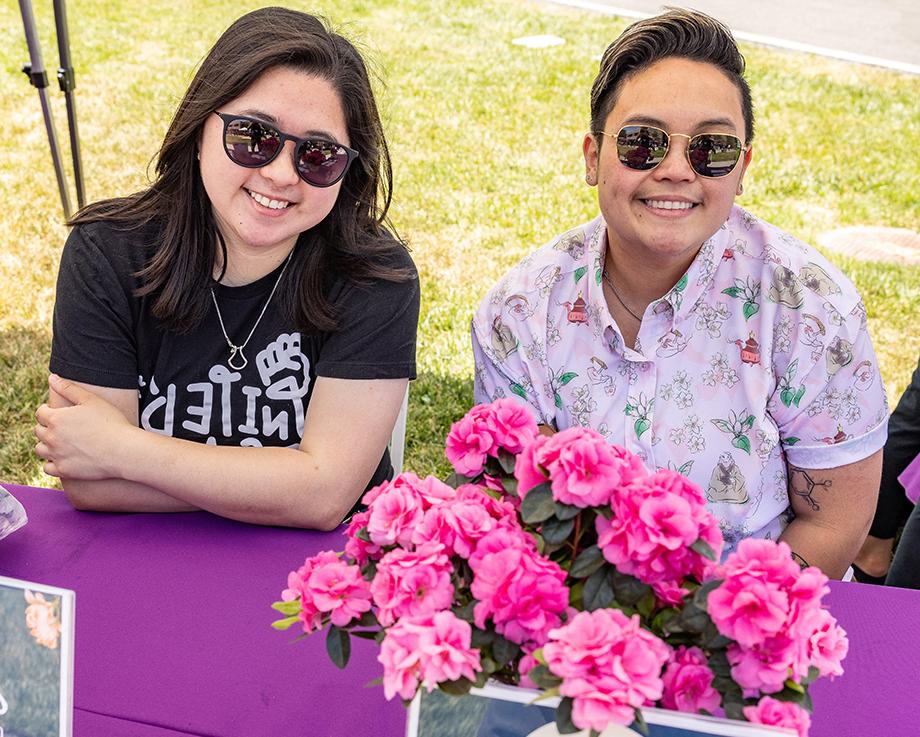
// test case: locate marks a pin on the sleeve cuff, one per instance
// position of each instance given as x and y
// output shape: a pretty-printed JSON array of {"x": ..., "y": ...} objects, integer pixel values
[{"x": 839, "y": 454}]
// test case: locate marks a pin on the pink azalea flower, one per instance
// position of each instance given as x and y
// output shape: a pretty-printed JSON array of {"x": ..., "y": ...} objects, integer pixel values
[
  {"x": 608, "y": 664},
  {"x": 325, "y": 584},
  {"x": 779, "y": 714},
  {"x": 523, "y": 593},
  {"x": 427, "y": 650},
  {"x": 357, "y": 549},
  {"x": 586, "y": 470},
  {"x": 688, "y": 683},
  {"x": 827, "y": 645},
  {"x": 764, "y": 666},
  {"x": 529, "y": 468},
  {"x": 512, "y": 424},
  {"x": 432, "y": 491},
  {"x": 469, "y": 441},
  {"x": 41, "y": 620},
  {"x": 412, "y": 583},
  {"x": 394, "y": 514}
]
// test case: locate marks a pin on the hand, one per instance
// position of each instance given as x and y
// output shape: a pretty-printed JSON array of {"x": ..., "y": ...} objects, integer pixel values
[{"x": 81, "y": 440}]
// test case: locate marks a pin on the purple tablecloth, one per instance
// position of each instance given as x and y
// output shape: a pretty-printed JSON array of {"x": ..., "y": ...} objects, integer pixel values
[{"x": 173, "y": 634}]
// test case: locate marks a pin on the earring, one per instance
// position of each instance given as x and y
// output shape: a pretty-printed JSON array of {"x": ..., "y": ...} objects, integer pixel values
[
  {"x": 740, "y": 188},
  {"x": 591, "y": 178}
]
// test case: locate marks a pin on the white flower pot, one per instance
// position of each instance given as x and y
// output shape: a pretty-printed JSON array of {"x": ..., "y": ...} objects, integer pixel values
[{"x": 614, "y": 730}]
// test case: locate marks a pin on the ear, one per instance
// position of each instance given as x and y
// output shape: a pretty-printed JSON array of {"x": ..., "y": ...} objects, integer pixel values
[{"x": 592, "y": 152}]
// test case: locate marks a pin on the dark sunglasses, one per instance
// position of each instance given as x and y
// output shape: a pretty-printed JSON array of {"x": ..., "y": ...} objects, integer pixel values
[
  {"x": 253, "y": 143},
  {"x": 643, "y": 147}
]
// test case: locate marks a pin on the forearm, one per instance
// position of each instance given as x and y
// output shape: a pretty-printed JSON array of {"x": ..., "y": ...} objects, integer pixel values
[
  {"x": 277, "y": 486},
  {"x": 829, "y": 548},
  {"x": 120, "y": 495}
]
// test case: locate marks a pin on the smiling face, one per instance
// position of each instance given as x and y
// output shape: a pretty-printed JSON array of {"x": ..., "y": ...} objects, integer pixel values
[
  {"x": 261, "y": 212},
  {"x": 664, "y": 215}
]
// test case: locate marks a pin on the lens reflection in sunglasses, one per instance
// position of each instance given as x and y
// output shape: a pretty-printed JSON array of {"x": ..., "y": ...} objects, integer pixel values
[
  {"x": 643, "y": 147},
  {"x": 251, "y": 143}
]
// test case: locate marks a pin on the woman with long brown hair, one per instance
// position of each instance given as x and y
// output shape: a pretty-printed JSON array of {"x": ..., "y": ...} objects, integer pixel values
[{"x": 238, "y": 337}]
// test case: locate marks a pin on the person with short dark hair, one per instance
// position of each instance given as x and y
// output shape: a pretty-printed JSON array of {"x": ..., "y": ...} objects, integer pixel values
[
  {"x": 686, "y": 329},
  {"x": 239, "y": 336}
]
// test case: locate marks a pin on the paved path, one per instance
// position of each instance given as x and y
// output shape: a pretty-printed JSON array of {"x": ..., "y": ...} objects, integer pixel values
[{"x": 881, "y": 33}]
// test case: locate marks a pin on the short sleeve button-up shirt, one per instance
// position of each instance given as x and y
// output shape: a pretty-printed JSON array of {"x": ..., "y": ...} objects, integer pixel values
[{"x": 759, "y": 356}]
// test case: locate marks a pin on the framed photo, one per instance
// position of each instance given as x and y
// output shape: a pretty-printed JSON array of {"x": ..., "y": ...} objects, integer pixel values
[
  {"x": 36, "y": 659},
  {"x": 506, "y": 711}
]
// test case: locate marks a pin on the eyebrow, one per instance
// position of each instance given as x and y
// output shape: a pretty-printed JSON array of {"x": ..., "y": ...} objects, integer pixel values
[
  {"x": 269, "y": 118},
  {"x": 708, "y": 123}
]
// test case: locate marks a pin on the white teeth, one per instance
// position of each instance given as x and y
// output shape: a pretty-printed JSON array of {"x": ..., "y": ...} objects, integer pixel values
[
  {"x": 266, "y": 202},
  {"x": 669, "y": 204}
]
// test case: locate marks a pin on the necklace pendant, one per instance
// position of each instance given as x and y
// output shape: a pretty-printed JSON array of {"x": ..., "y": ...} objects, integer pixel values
[{"x": 235, "y": 351}]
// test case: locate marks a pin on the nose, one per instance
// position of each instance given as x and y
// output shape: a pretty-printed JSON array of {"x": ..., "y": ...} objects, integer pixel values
[
  {"x": 676, "y": 165},
  {"x": 281, "y": 170}
]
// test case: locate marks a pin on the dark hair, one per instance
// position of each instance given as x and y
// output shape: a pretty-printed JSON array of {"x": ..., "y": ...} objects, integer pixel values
[
  {"x": 353, "y": 240},
  {"x": 677, "y": 32}
]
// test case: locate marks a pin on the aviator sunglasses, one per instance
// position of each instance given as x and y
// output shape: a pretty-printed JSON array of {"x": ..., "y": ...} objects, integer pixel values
[
  {"x": 643, "y": 147},
  {"x": 253, "y": 143}
]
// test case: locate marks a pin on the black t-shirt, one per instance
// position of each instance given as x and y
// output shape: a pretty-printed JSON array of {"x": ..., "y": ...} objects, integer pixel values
[{"x": 104, "y": 335}]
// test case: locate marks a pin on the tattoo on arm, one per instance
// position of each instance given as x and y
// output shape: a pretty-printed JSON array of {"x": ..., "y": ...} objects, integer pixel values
[
  {"x": 802, "y": 484},
  {"x": 802, "y": 563}
]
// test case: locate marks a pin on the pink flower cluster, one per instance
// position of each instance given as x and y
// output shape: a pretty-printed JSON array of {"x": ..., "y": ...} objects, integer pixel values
[
  {"x": 522, "y": 592},
  {"x": 688, "y": 683},
  {"x": 42, "y": 620},
  {"x": 484, "y": 430},
  {"x": 426, "y": 650},
  {"x": 326, "y": 584},
  {"x": 779, "y": 714},
  {"x": 581, "y": 466},
  {"x": 772, "y": 610},
  {"x": 655, "y": 521},
  {"x": 609, "y": 664}
]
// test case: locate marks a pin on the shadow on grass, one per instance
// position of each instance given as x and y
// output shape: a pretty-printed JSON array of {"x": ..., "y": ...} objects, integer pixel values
[
  {"x": 23, "y": 386},
  {"x": 435, "y": 401}
]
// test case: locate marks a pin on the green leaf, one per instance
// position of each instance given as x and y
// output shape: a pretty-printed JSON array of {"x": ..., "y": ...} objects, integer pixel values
[
  {"x": 742, "y": 442},
  {"x": 542, "y": 676},
  {"x": 564, "y": 722},
  {"x": 587, "y": 562},
  {"x": 580, "y": 272},
  {"x": 794, "y": 686},
  {"x": 597, "y": 593},
  {"x": 732, "y": 291},
  {"x": 538, "y": 506},
  {"x": 813, "y": 674},
  {"x": 338, "y": 645},
  {"x": 628, "y": 590},
  {"x": 629, "y": 409},
  {"x": 748, "y": 422},
  {"x": 749, "y": 309},
  {"x": 684, "y": 470},
  {"x": 701, "y": 596},
  {"x": 504, "y": 651},
  {"x": 567, "y": 377},
  {"x": 286, "y": 623},
  {"x": 599, "y": 276},
  {"x": 681, "y": 285},
  {"x": 466, "y": 611},
  {"x": 798, "y": 395},
  {"x": 790, "y": 441},
  {"x": 566, "y": 511},
  {"x": 506, "y": 460},
  {"x": 557, "y": 400},
  {"x": 703, "y": 548},
  {"x": 693, "y": 619},
  {"x": 640, "y": 723},
  {"x": 519, "y": 390},
  {"x": 723, "y": 426},
  {"x": 287, "y": 607},
  {"x": 368, "y": 620},
  {"x": 454, "y": 480},
  {"x": 646, "y": 605},
  {"x": 557, "y": 531},
  {"x": 460, "y": 687},
  {"x": 481, "y": 638},
  {"x": 365, "y": 634},
  {"x": 786, "y": 396},
  {"x": 641, "y": 426},
  {"x": 363, "y": 534}
]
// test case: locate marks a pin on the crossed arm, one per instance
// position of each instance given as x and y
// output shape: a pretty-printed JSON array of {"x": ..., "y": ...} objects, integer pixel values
[
  {"x": 833, "y": 511},
  {"x": 89, "y": 437}
]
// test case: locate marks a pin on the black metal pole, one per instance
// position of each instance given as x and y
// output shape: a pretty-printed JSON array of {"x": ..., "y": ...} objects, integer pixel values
[
  {"x": 35, "y": 71},
  {"x": 68, "y": 82}
]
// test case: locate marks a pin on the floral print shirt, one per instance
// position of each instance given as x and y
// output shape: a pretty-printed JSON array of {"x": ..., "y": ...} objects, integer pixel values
[{"x": 758, "y": 357}]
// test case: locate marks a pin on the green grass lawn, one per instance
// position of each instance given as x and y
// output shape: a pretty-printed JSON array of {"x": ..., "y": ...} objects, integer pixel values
[{"x": 486, "y": 142}]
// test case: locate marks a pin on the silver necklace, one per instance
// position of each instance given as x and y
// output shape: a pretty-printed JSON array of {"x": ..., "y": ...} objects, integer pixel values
[
  {"x": 619, "y": 298},
  {"x": 237, "y": 350}
]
